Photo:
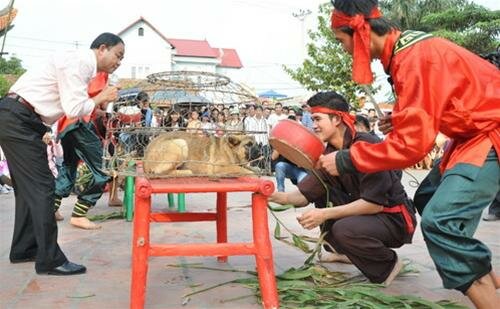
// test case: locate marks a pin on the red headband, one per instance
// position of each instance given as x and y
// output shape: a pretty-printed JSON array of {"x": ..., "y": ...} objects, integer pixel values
[
  {"x": 361, "y": 71},
  {"x": 347, "y": 118}
]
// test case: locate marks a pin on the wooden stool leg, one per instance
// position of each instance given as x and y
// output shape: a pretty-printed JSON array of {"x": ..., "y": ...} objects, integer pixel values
[
  {"x": 264, "y": 255},
  {"x": 221, "y": 222},
  {"x": 140, "y": 251}
]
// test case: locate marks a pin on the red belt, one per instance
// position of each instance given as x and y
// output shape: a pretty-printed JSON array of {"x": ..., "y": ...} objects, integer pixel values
[
  {"x": 20, "y": 99},
  {"x": 401, "y": 208}
]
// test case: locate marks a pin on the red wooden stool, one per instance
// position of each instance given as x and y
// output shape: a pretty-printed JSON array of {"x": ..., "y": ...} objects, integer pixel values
[{"x": 142, "y": 249}]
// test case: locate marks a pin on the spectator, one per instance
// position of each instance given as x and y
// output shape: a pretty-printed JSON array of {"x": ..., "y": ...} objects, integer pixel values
[
  {"x": 193, "y": 123},
  {"x": 277, "y": 115},
  {"x": 234, "y": 123},
  {"x": 306, "y": 117},
  {"x": 283, "y": 168}
]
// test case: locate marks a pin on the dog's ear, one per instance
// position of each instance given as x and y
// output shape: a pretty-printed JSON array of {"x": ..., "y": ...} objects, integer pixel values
[{"x": 233, "y": 140}]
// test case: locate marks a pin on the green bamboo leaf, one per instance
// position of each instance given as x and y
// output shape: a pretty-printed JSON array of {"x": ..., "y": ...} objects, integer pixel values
[
  {"x": 294, "y": 274},
  {"x": 299, "y": 243},
  {"x": 277, "y": 231},
  {"x": 279, "y": 207},
  {"x": 108, "y": 216}
]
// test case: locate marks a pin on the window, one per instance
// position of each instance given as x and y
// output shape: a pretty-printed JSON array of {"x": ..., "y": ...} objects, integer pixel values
[
  {"x": 140, "y": 31},
  {"x": 132, "y": 75}
]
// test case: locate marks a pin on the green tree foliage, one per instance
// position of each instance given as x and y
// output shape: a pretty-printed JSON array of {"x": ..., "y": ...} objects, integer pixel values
[
  {"x": 4, "y": 86},
  {"x": 11, "y": 66},
  {"x": 9, "y": 71},
  {"x": 328, "y": 66},
  {"x": 467, "y": 24}
]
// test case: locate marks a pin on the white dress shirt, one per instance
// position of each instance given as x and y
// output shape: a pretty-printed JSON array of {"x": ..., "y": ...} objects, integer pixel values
[
  {"x": 254, "y": 124},
  {"x": 273, "y": 119},
  {"x": 60, "y": 86}
]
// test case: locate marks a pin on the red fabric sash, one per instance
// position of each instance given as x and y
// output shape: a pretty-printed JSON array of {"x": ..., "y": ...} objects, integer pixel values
[
  {"x": 347, "y": 118},
  {"x": 401, "y": 208},
  {"x": 361, "y": 71},
  {"x": 96, "y": 85}
]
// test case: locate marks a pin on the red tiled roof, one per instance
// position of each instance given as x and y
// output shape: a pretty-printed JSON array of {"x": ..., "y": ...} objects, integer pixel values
[
  {"x": 196, "y": 48},
  {"x": 193, "y": 48},
  {"x": 228, "y": 58}
]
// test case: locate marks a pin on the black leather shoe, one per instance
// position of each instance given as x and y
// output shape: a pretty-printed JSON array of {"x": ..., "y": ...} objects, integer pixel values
[
  {"x": 65, "y": 269},
  {"x": 23, "y": 260}
]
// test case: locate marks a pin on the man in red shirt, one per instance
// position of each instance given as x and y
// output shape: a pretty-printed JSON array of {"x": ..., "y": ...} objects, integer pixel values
[{"x": 440, "y": 87}]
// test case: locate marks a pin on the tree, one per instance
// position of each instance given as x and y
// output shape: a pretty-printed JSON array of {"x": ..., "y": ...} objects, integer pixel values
[
  {"x": 467, "y": 24},
  {"x": 11, "y": 66},
  {"x": 9, "y": 71},
  {"x": 472, "y": 26},
  {"x": 328, "y": 66}
]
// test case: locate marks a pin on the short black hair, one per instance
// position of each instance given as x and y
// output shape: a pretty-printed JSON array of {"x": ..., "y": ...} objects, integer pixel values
[
  {"x": 142, "y": 97},
  {"x": 380, "y": 25},
  {"x": 106, "y": 38},
  {"x": 330, "y": 99},
  {"x": 362, "y": 120}
]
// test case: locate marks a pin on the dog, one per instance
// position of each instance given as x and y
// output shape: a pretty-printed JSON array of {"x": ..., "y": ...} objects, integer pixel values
[{"x": 184, "y": 154}]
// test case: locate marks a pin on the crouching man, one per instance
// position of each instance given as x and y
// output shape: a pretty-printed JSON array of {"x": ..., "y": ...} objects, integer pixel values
[{"x": 371, "y": 213}]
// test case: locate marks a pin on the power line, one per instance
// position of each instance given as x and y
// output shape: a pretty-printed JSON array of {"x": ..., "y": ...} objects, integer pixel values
[
  {"x": 46, "y": 41},
  {"x": 30, "y": 47}
]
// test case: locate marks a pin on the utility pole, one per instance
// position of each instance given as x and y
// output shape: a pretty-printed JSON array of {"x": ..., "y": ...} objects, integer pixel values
[
  {"x": 10, "y": 6},
  {"x": 301, "y": 16}
]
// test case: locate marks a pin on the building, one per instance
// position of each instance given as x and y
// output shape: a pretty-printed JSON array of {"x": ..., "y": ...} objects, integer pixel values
[{"x": 149, "y": 51}]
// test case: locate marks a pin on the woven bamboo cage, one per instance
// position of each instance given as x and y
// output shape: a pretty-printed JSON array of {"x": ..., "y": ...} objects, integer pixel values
[{"x": 179, "y": 144}]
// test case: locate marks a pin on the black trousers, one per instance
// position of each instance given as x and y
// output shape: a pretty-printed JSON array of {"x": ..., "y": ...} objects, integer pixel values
[
  {"x": 35, "y": 228},
  {"x": 366, "y": 240}
]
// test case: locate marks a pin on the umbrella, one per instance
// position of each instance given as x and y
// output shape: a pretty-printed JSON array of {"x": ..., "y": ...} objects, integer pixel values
[
  {"x": 271, "y": 94},
  {"x": 191, "y": 99}
]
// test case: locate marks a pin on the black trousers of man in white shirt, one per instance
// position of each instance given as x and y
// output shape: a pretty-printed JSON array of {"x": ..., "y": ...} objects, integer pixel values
[{"x": 35, "y": 228}]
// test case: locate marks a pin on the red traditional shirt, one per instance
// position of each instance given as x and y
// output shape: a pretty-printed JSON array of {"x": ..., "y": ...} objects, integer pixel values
[{"x": 440, "y": 87}]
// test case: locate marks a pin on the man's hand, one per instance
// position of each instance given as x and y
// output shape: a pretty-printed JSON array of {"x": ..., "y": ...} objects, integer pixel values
[
  {"x": 327, "y": 162},
  {"x": 47, "y": 138},
  {"x": 312, "y": 218},
  {"x": 385, "y": 124},
  {"x": 108, "y": 94},
  {"x": 278, "y": 197}
]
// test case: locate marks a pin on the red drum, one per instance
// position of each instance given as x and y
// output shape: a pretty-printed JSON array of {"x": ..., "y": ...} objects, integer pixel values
[{"x": 296, "y": 143}]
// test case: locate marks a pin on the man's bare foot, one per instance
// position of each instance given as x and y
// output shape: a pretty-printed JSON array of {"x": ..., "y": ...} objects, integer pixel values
[
  {"x": 395, "y": 271},
  {"x": 334, "y": 257},
  {"x": 84, "y": 223},
  {"x": 58, "y": 216}
]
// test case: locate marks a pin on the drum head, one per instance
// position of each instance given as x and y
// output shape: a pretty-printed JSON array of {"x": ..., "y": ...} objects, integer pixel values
[{"x": 292, "y": 153}]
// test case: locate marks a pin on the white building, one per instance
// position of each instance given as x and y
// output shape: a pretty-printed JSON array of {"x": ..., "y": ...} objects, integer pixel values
[{"x": 149, "y": 51}]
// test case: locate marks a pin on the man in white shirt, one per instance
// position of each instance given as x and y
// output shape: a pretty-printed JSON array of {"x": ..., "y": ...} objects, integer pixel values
[
  {"x": 276, "y": 116},
  {"x": 258, "y": 127},
  {"x": 39, "y": 98}
]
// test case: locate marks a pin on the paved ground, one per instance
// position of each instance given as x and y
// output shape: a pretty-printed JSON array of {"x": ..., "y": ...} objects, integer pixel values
[{"x": 107, "y": 254}]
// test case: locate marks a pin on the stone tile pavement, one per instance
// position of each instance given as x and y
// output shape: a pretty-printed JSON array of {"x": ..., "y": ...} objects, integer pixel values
[{"x": 107, "y": 255}]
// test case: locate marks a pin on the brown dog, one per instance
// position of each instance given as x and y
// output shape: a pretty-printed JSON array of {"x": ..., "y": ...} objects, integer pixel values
[{"x": 181, "y": 153}]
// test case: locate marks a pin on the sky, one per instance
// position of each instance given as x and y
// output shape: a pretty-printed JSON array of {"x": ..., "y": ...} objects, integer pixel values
[{"x": 264, "y": 32}]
